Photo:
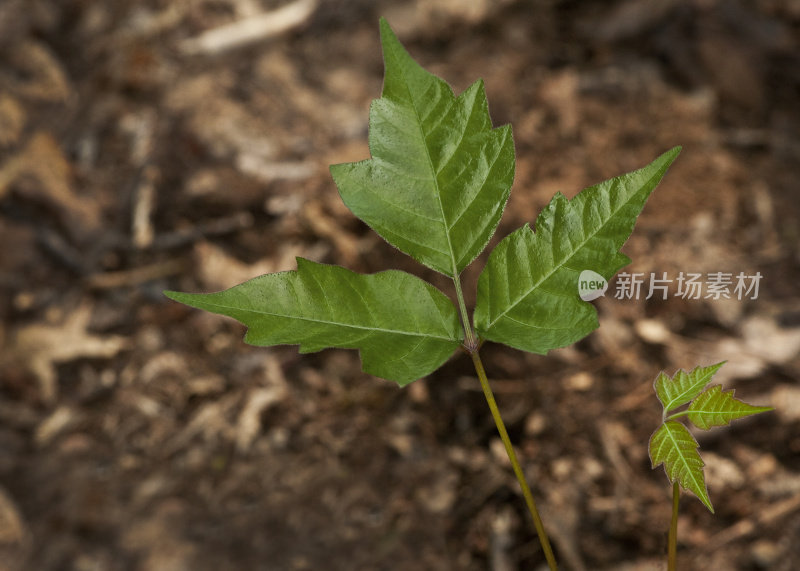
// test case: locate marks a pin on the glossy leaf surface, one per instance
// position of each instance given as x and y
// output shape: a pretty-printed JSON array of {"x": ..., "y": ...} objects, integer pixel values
[
  {"x": 715, "y": 407},
  {"x": 674, "y": 446},
  {"x": 439, "y": 176},
  {"x": 403, "y": 327},
  {"x": 528, "y": 291},
  {"x": 683, "y": 387}
]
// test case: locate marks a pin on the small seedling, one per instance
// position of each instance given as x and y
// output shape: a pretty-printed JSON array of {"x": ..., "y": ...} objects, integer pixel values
[
  {"x": 675, "y": 447},
  {"x": 435, "y": 187}
]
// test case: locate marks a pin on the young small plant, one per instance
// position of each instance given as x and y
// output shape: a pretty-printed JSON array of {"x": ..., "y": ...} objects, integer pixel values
[
  {"x": 674, "y": 446},
  {"x": 435, "y": 187}
]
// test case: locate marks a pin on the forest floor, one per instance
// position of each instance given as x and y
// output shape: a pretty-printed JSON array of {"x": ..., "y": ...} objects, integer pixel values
[{"x": 138, "y": 153}]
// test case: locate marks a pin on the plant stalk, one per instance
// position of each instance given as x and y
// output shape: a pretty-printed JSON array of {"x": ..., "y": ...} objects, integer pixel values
[
  {"x": 501, "y": 428},
  {"x": 672, "y": 541},
  {"x": 470, "y": 342}
]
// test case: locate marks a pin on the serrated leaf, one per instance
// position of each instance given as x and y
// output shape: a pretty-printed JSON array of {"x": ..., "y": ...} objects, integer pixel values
[
  {"x": 439, "y": 176},
  {"x": 528, "y": 291},
  {"x": 715, "y": 407},
  {"x": 404, "y": 327},
  {"x": 683, "y": 387},
  {"x": 674, "y": 446}
]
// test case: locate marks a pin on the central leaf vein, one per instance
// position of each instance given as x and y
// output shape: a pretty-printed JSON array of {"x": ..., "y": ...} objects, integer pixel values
[
  {"x": 329, "y": 322},
  {"x": 563, "y": 262}
]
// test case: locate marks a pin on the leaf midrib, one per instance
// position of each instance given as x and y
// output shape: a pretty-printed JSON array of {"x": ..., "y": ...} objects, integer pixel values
[
  {"x": 434, "y": 176},
  {"x": 680, "y": 397},
  {"x": 566, "y": 260},
  {"x": 685, "y": 460},
  {"x": 328, "y": 322}
]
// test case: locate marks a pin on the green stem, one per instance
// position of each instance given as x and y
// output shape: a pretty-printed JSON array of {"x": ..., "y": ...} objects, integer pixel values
[
  {"x": 672, "y": 549},
  {"x": 471, "y": 345},
  {"x": 675, "y": 415},
  {"x": 501, "y": 428},
  {"x": 469, "y": 337}
]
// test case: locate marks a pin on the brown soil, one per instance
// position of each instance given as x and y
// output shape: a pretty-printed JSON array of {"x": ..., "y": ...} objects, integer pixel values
[{"x": 136, "y": 434}]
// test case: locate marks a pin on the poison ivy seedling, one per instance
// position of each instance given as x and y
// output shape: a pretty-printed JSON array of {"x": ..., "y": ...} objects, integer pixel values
[
  {"x": 675, "y": 447},
  {"x": 435, "y": 187}
]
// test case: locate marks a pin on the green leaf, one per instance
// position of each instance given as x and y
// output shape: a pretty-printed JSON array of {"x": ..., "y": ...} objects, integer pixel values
[
  {"x": 674, "y": 446},
  {"x": 683, "y": 387},
  {"x": 439, "y": 176},
  {"x": 528, "y": 291},
  {"x": 716, "y": 407},
  {"x": 404, "y": 327}
]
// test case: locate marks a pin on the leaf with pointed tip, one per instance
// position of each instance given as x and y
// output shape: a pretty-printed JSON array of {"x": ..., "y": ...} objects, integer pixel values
[
  {"x": 683, "y": 387},
  {"x": 675, "y": 447},
  {"x": 715, "y": 407},
  {"x": 528, "y": 291},
  {"x": 439, "y": 176},
  {"x": 404, "y": 327}
]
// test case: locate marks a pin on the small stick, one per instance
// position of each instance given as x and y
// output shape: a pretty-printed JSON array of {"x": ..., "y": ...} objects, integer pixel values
[
  {"x": 249, "y": 30},
  {"x": 135, "y": 276}
]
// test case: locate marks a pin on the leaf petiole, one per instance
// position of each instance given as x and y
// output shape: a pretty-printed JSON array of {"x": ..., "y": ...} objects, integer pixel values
[
  {"x": 470, "y": 342},
  {"x": 675, "y": 415}
]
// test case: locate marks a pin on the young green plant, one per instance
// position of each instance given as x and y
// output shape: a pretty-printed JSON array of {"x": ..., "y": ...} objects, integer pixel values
[
  {"x": 435, "y": 187},
  {"x": 674, "y": 446}
]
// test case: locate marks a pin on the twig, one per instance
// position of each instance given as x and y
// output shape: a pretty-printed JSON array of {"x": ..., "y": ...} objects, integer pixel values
[
  {"x": 502, "y": 527},
  {"x": 134, "y": 276},
  {"x": 224, "y": 225},
  {"x": 144, "y": 199},
  {"x": 249, "y": 30}
]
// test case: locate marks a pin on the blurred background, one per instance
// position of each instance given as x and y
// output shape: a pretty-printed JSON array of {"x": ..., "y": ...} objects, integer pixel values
[{"x": 157, "y": 144}]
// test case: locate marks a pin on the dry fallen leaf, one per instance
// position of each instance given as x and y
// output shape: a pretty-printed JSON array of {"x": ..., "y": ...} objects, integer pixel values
[
  {"x": 12, "y": 120},
  {"x": 12, "y": 528},
  {"x": 46, "y": 172},
  {"x": 33, "y": 71},
  {"x": 248, "y": 424},
  {"x": 41, "y": 346},
  {"x": 217, "y": 270}
]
